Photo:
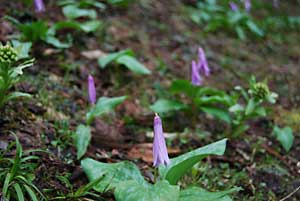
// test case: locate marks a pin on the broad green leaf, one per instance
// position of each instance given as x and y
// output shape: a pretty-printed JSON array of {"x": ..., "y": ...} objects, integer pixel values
[
  {"x": 104, "y": 61},
  {"x": 163, "y": 106},
  {"x": 217, "y": 112},
  {"x": 57, "y": 43},
  {"x": 133, "y": 191},
  {"x": 73, "y": 12},
  {"x": 114, "y": 173},
  {"x": 104, "y": 105},
  {"x": 215, "y": 99},
  {"x": 82, "y": 139},
  {"x": 196, "y": 194},
  {"x": 87, "y": 27},
  {"x": 181, "y": 164},
  {"x": 184, "y": 86},
  {"x": 90, "y": 26},
  {"x": 132, "y": 64},
  {"x": 284, "y": 136},
  {"x": 254, "y": 28}
]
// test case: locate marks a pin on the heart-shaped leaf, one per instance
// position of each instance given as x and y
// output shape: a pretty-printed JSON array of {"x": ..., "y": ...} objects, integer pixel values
[
  {"x": 181, "y": 164},
  {"x": 114, "y": 173}
]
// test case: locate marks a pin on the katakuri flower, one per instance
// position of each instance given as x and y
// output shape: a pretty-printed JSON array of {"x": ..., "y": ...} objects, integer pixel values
[
  {"x": 195, "y": 74},
  {"x": 39, "y": 6},
  {"x": 202, "y": 63},
  {"x": 160, "y": 153},
  {"x": 233, "y": 6},
  {"x": 247, "y": 4},
  {"x": 92, "y": 89}
]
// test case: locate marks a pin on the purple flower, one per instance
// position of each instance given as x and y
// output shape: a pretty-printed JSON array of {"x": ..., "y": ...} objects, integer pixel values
[
  {"x": 196, "y": 77},
  {"x": 233, "y": 6},
  {"x": 247, "y": 4},
  {"x": 202, "y": 63},
  {"x": 92, "y": 90},
  {"x": 160, "y": 153},
  {"x": 39, "y": 6}
]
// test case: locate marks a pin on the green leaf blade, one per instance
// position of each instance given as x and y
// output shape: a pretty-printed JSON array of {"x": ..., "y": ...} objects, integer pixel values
[
  {"x": 181, "y": 164},
  {"x": 114, "y": 173},
  {"x": 104, "y": 105},
  {"x": 164, "y": 106},
  {"x": 82, "y": 139},
  {"x": 134, "y": 65}
]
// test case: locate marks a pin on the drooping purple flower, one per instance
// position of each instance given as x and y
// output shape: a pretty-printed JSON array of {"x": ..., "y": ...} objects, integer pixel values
[
  {"x": 247, "y": 4},
  {"x": 202, "y": 63},
  {"x": 92, "y": 89},
  {"x": 39, "y": 6},
  {"x": 195, "y": 77},
  {"x": 233, "y": 6},
  {"x": 160, "y": 152}
]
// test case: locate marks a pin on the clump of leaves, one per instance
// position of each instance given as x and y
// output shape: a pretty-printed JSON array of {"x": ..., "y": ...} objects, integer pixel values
[
  {"x": 83, "y": 132},
  {"x": 216, "y": 16},
  {"x": 12, "y": 62},
  {"x": 16, "y": 175},
  {"x": 234, "y": 108},
  {"x": 127, "y": 183},
  {"x": 254, "y": 98},
  {"x": 125, "y": 58}
]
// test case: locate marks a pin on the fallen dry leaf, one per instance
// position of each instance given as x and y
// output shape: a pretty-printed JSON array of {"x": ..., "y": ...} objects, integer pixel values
[
  {"x": 93, "y": 54},
  {"x": 144, "y": 151}
]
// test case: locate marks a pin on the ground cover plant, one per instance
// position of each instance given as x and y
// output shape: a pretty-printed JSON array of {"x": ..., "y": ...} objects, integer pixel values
[{"x": 143, "y": 100}]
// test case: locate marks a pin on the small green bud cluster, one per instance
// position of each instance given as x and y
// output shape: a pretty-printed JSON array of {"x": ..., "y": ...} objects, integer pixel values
[
  {"x": 260, "y": 91},
  {"x": 7, "y": 54}
]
